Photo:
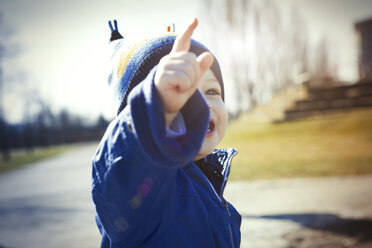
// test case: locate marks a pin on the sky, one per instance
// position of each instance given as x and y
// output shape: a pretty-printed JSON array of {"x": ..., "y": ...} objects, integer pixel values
[{"x": 63, "y": 45}]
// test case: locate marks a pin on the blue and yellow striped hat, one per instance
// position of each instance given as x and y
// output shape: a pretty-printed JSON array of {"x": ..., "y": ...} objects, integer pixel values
[{"x": 132, "y": 63}]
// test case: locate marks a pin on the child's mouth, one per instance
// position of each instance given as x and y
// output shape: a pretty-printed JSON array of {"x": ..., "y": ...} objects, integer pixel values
[{"x": 211, "y": 129}]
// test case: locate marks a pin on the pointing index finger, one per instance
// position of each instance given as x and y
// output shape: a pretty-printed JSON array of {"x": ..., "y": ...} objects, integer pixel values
[{"x": 182, "y": 42}]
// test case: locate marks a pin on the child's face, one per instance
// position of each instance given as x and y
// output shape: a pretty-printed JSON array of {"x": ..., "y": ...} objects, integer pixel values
[{"x": 211, "y": 89}]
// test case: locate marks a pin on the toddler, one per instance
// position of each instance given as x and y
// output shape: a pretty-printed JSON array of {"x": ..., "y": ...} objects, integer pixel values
[{"x": 158, "y": 179}]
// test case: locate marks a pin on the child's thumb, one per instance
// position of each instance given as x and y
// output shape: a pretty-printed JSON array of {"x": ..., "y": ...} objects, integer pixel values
[{"x": 205, "y": 61}]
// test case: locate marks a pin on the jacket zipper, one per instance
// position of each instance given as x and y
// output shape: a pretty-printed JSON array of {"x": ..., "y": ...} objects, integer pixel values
[
  {"x": 228, "y": 212},
  {"x": 224, "y": 203}
]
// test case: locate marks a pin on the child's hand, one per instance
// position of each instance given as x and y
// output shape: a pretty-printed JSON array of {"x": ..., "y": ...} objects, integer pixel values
[{"x": 178, "y": 73}]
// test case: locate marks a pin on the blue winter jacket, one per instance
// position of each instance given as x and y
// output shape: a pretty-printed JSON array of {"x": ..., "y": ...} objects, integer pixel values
[{"x": 147, "y": 190}]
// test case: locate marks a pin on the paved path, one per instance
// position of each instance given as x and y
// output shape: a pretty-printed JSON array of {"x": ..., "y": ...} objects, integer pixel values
[
  {"x": 48, "y": 204},
  {"x": 307, "y": 213}
]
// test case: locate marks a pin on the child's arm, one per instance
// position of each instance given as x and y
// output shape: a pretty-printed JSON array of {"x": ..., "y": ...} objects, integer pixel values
[
  {"x": 178, "y": 73},
  {"x": 170, "y": 88}
]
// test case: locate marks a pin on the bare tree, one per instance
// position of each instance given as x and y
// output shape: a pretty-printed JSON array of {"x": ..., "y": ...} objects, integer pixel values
[
  {"x": 282, "y": 45},
  {"x": 266, "y": 55},
  {"x": 323, "y": 72},
  {"x": 4, "y": 137},
  {"x": 8, "y": 50},
  {"x": 229, "y": 20}
]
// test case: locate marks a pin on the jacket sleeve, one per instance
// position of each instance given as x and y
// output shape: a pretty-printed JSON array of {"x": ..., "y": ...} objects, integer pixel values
[{"x": 134, "y": 168}]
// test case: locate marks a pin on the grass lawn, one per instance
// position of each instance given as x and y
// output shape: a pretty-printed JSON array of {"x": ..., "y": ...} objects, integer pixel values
[
  {"x": 330, "y": 145},
  {"x": 22, "y": 158}
]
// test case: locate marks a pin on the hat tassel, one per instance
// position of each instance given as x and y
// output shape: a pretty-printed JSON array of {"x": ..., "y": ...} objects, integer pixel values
[{"x": 115, "y": 35}]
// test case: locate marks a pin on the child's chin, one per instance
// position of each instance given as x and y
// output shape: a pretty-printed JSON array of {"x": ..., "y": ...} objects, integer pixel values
[{"x": 207, "y": 148}]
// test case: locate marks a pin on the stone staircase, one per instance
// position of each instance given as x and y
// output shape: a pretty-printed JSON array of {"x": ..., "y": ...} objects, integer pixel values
[{"x": 329, "y": 100}]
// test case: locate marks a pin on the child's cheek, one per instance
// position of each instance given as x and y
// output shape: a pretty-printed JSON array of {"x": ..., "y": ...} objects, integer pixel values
[{"x": 223, "y": 118}]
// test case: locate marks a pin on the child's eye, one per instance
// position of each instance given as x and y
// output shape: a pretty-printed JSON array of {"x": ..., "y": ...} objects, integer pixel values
[{"x": 212, "y": 92}]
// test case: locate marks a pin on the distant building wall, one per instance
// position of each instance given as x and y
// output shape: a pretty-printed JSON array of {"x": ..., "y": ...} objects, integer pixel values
[{"x": 364, "y": 34}]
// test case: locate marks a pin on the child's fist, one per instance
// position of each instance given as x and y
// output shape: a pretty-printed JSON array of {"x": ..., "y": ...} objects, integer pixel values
[{"x": 178, "y": 73}]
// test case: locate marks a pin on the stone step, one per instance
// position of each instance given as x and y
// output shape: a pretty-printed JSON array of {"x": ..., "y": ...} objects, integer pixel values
[
  {"x": 346, "y": 91},
  {"x": 335, "y": 103},
  {"x": 329, "y": 100},
  {"x": 294, "y": 115}
]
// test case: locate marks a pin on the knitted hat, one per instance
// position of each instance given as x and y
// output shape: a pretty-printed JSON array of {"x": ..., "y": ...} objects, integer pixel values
[{"x": 132, "y": 63}]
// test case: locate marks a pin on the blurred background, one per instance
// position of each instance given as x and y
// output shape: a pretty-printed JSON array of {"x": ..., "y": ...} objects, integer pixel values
[
  {"x": 298, "y": 78},
  {"x": 54, "y": 57}
]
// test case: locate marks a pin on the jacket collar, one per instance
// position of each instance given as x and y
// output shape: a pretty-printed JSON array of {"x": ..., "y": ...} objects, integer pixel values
[{"x": 222, "y": 159}]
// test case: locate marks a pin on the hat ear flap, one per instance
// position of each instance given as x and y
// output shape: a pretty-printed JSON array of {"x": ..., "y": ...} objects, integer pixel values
[{"x": 115, "y": 35}]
